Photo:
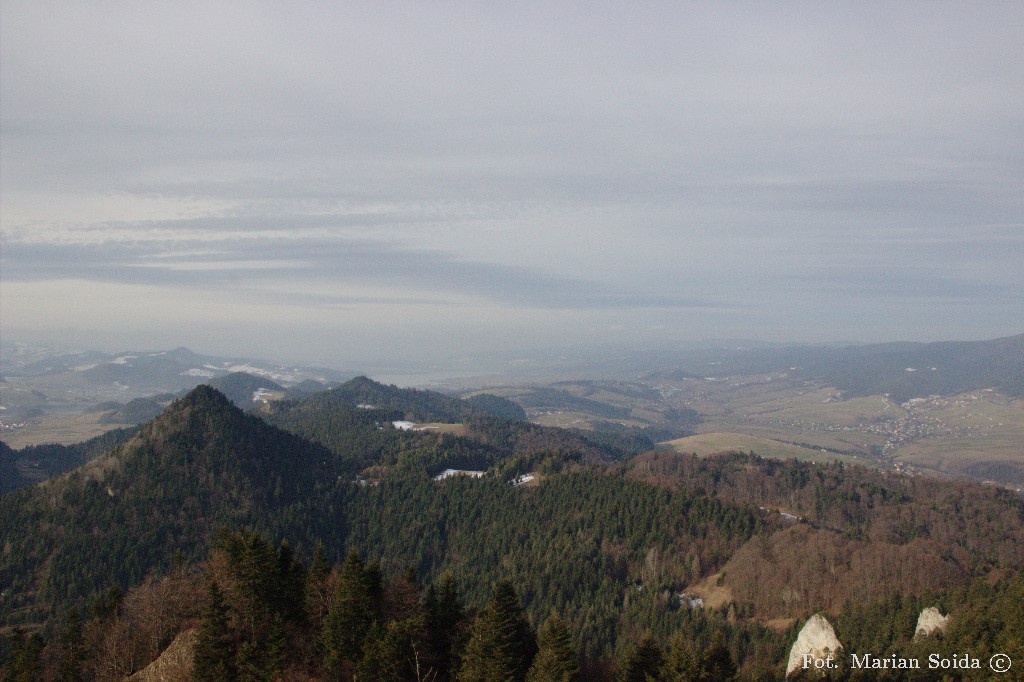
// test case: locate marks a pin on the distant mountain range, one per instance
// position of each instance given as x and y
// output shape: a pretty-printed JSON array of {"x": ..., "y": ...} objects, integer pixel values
[
  {"x": 902, "y": 370},
  {"x": 152, "y": 371},
  {"x": 36, "y": 381}
]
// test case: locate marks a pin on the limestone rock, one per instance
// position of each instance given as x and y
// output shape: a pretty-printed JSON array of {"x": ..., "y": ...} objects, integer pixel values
[
  {"x": 929, "y": 622},
  {"x": 816, "y": 638},
  {"x": 173, "y": 665}
]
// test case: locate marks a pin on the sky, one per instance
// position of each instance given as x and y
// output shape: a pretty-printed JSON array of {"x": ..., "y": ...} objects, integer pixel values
[{"x": 345, "y": 183}]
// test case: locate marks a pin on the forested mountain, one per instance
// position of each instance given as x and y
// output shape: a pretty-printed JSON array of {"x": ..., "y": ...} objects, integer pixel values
[
  {"x": 135, "y": 411},
  {"x": 414, "y": 405},
  {"x": 36, "y": 463},
  {"x": 240, "y": 387},
  {"x": 606, "y": 540},
  {"x": 200, "y": 464}
]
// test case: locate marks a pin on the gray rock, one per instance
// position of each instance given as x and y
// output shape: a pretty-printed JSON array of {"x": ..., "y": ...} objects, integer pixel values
[
  {"x": 929, "y": 622},
  {"x": 817, "y": 639}
]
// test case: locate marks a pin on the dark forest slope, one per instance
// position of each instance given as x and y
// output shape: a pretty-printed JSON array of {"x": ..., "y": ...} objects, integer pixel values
[{"x": 200, "y": 464}]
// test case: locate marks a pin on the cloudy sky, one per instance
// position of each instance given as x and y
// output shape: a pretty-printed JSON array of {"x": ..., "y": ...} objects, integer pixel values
[{"x": 346, "y": 182}]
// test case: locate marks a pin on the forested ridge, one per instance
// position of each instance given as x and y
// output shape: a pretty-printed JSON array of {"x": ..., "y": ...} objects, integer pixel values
[
  {"x": 604, "y": 540},
  {"x": 255, "y": 609}
]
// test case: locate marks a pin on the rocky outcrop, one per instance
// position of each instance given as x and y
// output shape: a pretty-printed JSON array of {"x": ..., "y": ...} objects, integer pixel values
[
  {"x": 173, "y": 665},
  {"x": 817, "y": 640},
  {"x": 929, "y": 622}
]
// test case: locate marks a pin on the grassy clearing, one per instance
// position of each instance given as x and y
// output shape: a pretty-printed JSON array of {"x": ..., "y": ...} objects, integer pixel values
[
  {"x": 564, "y": 420},
  {"x": 437, "y": 427},
  {"x": 714, "y": 594},
  {"x": 59, "y": 428},
  {"x": 713, "y": 443},
  {"x": 815, "y": 439}
]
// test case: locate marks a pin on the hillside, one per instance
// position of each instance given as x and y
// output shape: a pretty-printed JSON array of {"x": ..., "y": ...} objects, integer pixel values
[
  {"x": 200, "y": 464},
  {"x": 850, "y": 533}
]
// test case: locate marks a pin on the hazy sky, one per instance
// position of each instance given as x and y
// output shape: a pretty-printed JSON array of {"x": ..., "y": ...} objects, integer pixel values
[{"x": 347, "y": 182}]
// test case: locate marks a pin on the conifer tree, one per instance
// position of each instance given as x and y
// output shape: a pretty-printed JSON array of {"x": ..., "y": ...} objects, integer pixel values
[
  {"x": 445, "y": 617},
  {"x": 289, "y": 597},
  {"x": 316, "y": 593},
  {"x": 556, "y": 659},
  {"x": 641, "y": 662},
  {"x": 681, "y": 663},
  {"x": 213, "y": 658},
  {"x": 501, "y": 645},
  {"x": 716, "y": 662},
  {"x": 350, "y": 615}
]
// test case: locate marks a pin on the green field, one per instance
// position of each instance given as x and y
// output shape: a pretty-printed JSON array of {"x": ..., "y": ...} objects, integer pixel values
[
  {"x": 719, "y": 442},
  {"x": 59, "y": 428}
]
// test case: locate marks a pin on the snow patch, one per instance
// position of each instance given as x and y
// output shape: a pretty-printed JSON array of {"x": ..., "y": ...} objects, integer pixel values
[
  {"x": 197, "y": 372},
  {"x": 448, "y": 473}
]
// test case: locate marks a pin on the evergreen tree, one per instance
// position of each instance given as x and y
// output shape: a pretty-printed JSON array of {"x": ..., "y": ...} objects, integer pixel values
[
  {"x": 641, "y": 662},
  {"x": 213, "y": 658},
  {"x": 501, "y": 645},
  {"x": 681, "y": 664},
  {"x": 556, "y": 660},
  {"x": 445, "y": 617},
  {"x": 350, "y": 615},
  {"x": 716, "y": 663},
  {"x": 288, "y": 598},
  {"x": 317, "y": 598},
  {"x": 383, "y": 654}
]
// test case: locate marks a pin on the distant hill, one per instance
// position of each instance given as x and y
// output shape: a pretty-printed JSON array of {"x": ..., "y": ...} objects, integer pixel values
[
  {"x": 135, "y": 411},
  {"x": 307, "y": 387},
  {"x": 241, "y": 387},
  {"x": 497, "y": 406},
  {"x": 415, "y": 405},
  {"x": 354, "y": 421}
]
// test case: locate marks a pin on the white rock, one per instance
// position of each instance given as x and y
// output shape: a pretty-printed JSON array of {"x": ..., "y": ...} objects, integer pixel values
[
  {"x": 816, "y": 638},
  {"x": 929, "y": 622},
  {"x": 174, "y": 664}
]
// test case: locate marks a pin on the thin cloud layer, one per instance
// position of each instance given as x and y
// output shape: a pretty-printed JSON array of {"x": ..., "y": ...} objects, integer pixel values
[{"x": 516, "y": 176}]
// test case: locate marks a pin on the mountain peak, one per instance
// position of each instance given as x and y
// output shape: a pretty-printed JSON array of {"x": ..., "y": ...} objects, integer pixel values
[{"x": 203, "y": 396}]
